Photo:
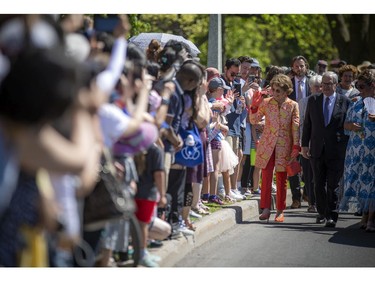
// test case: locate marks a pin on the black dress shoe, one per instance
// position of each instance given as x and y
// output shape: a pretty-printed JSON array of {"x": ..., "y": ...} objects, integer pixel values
[
  {"x": 320, "y": 219},
  {"x": 330, "y": 223}
]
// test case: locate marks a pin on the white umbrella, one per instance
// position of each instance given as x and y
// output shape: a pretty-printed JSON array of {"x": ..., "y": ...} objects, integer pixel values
[{"x": 142, "y": 40}]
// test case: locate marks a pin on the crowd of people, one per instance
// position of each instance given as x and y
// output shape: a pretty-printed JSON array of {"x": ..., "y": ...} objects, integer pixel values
[{"x": 180, "y": 136}]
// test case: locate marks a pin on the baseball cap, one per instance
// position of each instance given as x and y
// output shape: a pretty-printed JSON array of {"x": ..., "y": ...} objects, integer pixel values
[
  {"x": 217, "y": 82},
  {"x": 255, "y": 63}
]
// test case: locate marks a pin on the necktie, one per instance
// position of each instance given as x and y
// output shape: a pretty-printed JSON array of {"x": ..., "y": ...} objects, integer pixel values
[
  {"x": 299, "y": 92},
  {"x": 326, "y": 111}
]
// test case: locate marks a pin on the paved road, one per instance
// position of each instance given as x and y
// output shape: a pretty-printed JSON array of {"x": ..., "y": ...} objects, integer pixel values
[{"x": 298, "y": 242}]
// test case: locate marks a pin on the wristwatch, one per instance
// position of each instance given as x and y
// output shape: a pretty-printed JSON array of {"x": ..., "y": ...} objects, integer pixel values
[{"x": 165, "y": 101}]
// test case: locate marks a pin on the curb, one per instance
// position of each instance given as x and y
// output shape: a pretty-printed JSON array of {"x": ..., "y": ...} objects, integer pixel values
[{"x": 208, "y": 227}]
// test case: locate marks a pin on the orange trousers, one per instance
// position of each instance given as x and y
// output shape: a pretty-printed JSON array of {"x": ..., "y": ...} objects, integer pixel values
[{"x": 267, "y": 178}]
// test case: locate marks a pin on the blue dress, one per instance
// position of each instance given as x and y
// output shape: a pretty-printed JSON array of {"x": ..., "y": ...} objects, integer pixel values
[{"x": 359, "y": 171}]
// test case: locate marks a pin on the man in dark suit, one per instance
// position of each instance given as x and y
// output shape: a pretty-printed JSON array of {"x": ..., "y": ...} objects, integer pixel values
[
  {"x": 301, "y": 89},
  {"x": 324, "y": 143}
]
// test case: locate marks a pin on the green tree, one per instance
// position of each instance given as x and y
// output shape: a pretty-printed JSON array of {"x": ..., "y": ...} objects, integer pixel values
[{"x": 273, "y": 39}]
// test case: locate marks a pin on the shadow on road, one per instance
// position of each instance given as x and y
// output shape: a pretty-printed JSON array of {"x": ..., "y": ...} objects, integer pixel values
[{"x": 349, "y": 235}]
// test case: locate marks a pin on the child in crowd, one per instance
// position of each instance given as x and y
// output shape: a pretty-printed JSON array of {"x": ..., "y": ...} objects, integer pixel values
[{"x": 218, "y": 128}]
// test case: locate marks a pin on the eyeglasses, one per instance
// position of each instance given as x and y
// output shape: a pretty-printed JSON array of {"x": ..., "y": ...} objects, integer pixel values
[
  {"x": 233, "y": 74},
  {"x": 327, "y": 84}
]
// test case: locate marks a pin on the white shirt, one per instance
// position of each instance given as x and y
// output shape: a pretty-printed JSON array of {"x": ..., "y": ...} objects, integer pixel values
[{"x": 113, "y": 123}]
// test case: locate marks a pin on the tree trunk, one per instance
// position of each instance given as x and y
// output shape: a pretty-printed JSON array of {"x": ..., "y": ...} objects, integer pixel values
[
  {"x": 358, "y": 47},
  {"x": 340, "y": 34},
  {"x": 371, "y": 39}
]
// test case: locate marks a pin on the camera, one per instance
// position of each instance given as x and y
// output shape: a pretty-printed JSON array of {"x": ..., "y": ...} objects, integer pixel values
[{"x": 105, "y": 24}]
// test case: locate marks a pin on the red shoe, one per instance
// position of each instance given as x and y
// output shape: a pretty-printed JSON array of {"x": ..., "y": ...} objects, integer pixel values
[
  {"x": 279, "y": 216},
  {"x": 265, "y": 215}
]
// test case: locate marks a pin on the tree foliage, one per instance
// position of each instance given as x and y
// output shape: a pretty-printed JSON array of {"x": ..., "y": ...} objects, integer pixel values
[{"x": 273, "y": 39}]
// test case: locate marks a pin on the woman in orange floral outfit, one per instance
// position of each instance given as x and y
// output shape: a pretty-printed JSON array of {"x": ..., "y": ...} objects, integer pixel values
[{"x": 279, "y": 143}]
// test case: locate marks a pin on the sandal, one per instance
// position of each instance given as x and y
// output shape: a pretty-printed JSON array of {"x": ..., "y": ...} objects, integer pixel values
[
  {"x": 279, "y": 216},
  {"x": 200, "y": 211},
  {"x": 204, "y": 207},
  {"x": 190, "y": 225}
]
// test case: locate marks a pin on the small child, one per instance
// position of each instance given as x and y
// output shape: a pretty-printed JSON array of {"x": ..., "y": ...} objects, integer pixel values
[{"x": 151, "y": 190}]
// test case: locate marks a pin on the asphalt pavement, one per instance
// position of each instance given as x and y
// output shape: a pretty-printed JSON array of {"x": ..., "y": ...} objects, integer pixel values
[{"x": 209, "y": 227}]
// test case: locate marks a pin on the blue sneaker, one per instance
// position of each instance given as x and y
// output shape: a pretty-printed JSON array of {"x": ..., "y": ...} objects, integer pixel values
[{"x": 215, "y": 199}]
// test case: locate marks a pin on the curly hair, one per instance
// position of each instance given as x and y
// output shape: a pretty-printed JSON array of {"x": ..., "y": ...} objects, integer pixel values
[
  {"x": 283, "y": 81},
  {"x": 348, "y": 67},
  {"x": 273, "y": 70},
  {"x": 367, "y": 76},
  {"x": 153, "y": 49}
]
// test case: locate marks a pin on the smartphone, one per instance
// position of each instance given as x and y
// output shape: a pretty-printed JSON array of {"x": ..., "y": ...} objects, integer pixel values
[
  {"x": 105, "y": 23},
  {"x": 237, "y": 88},
  {"x": 251, "y": 78}
]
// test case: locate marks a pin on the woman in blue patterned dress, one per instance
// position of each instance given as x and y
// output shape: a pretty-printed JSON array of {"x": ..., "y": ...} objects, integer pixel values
[{"x": 359, "y": 179}]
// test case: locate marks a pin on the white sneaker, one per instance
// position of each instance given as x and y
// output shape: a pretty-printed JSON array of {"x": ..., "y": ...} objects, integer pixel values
[
  {"x": 221, "y": 193},
  {"x": 246, "y": 192},
  {"x": 154, "y": 258},
  {"x": 194, "y": 214},
  {"x": 239, "y": 193},
  {"x": 184, "y": 230},
  {"x": 234, "y": 195},
  {"x": 148, "y": 262}
]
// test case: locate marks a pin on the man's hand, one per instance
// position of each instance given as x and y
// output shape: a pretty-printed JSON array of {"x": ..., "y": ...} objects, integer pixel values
[
  {"x": 178, "y": 146},
  {"x": 123, "y": 27},
  {"x": 306, "y": 152},
  {"x": 242, "y": 99},
  {"x": 218, "y": 106},
  {"x": 162, "y": 202}
]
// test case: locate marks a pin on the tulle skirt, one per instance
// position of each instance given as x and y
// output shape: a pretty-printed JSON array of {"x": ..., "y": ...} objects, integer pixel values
[{"x": 228, "y": 159}]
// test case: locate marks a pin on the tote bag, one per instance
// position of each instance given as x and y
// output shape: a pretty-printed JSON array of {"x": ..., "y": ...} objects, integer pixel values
[
  {"x": 191, "y": 153},
  {"x": 110, "y": 200}
]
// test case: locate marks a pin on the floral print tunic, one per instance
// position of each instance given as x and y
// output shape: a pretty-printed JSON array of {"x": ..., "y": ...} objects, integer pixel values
[{"x": 281, "y": 132}]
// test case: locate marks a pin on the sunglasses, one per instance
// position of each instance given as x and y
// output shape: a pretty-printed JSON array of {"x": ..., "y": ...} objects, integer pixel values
[
  {"x": 233, "y": 74},
  {"x": 361, "y": 86}
]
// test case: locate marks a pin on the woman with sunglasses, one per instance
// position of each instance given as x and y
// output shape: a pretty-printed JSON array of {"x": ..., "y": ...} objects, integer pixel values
[
  {"x": 279, "y": 143},
  {"x": 359, "y": 179}
]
